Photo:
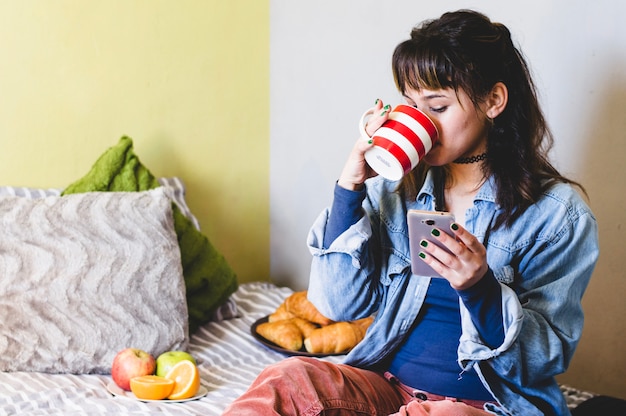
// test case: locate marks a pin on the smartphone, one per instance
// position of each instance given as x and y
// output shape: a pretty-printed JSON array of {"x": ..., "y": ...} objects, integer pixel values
[{"x": 420, "y": 225}]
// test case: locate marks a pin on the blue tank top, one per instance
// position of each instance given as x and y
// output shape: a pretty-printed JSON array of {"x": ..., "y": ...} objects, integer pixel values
[{"x": 428, "y": 358}]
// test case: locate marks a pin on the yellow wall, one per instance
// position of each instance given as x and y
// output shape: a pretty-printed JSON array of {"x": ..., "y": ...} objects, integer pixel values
[{"x": 188, "y": 80}]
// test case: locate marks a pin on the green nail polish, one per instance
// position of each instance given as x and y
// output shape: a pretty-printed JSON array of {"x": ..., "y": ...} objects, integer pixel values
[
  {"x": 370, "y": 141},
  {"x": 377, "y": 100},
  {"x": 424, "y": 243},
  {"x": 383, "y": 113},
  {"x": 387, "y": 107},
  {"x": 454, "y": 226},
  {"x": 435, "y": 232},
  {"x": 422, "y": 255}
]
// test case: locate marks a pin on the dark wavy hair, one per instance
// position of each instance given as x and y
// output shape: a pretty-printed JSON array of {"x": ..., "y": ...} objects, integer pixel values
[{"x": 464, "y": 50}]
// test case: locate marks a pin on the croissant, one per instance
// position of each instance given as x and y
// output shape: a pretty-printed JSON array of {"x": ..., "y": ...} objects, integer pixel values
[
  {"x": 299, "y": 305},
  {"x": 306, "y": 327},
  {"x": 280, "y": 314},
  {"x": 337, "y": 337},
  {"x": 287, "y": 333},
  {"x": 364, "y": 323}
]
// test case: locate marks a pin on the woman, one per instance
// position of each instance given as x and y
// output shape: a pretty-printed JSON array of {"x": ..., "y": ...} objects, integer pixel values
[{"x": 506, "y": 317}]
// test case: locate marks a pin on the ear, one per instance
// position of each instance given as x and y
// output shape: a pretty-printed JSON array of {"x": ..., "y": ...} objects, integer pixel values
[{"x": 497, "y": 100}]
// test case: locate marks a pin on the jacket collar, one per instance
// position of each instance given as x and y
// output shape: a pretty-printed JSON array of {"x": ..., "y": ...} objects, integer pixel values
[{"x": 487, "y": 191}]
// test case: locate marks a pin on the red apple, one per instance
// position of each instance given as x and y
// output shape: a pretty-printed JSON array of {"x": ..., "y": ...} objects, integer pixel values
[{"x": 129, "y": 363}]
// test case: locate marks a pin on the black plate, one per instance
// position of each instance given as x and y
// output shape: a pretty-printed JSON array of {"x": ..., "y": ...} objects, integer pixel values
[{"x": 271, "y": 345}]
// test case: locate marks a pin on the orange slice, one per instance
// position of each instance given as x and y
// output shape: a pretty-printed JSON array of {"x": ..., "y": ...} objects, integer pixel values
[
  {"x": 151, "y": 387},
  {"x": 187, "y": 380}
]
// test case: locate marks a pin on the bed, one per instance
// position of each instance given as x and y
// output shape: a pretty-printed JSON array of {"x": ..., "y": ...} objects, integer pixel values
[
  {"x": 108, "y": 265},
  {"x": 229, "y": 358}
]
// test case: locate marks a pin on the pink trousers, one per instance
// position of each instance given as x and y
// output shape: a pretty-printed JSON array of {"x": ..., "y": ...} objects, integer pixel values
[{"x": 307, "y": 387}]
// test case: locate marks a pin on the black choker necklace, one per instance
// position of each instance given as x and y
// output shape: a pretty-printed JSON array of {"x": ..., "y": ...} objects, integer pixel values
[{"x": 471, "y": 159}]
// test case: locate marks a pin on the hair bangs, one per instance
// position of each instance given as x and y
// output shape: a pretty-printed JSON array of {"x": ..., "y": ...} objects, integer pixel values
[{"x": 419, "y": 67}]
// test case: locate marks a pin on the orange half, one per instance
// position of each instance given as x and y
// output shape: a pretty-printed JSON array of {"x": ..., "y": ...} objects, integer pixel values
[
  {"x": 186, "y": 376},
  {"x": 151, "y": 387}
]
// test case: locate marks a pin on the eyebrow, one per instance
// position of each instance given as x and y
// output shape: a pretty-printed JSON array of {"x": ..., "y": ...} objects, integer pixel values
[{"x": 427, "y": 97}]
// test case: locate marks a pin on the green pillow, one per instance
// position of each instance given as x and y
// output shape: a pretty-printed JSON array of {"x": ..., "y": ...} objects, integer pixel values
[{"x": 208, "y": 277}]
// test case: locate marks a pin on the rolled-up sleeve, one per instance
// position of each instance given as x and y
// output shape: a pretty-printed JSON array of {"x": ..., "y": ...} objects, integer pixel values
[
  {"x": 542, "y": 311},
  {"x": 341, "y": 275}
]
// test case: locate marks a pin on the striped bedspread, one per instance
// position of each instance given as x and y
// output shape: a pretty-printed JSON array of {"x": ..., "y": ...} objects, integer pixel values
[{"x": 229, "y": 358}]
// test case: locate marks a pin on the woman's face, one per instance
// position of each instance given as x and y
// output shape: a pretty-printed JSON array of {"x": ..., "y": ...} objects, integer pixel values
[{"x": 462, "y": 128}]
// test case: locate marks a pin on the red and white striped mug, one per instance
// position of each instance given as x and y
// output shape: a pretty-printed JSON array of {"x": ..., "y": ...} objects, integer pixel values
[{"x": 401, "y": 142}]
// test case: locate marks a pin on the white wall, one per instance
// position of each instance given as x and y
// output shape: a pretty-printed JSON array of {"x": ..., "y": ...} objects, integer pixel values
[{"x": 329, "y": 61}]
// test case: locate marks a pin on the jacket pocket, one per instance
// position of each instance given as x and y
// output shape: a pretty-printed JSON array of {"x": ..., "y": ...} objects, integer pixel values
[{"x": 504, "y": 275}]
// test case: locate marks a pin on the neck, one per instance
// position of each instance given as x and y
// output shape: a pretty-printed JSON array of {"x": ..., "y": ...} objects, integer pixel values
[
  {"x": 464, "y": 178},
  {"x": 462, "y": 184}
]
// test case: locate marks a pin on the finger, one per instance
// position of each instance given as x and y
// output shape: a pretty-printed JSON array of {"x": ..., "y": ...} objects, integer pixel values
[
  {"x": 378, "y": 106},
  {"x": 455, "y": 246},
  {"x": 356, "y": 170},
  {"x": 363, "y": 146},
  {"x": 443, "y": 257},
  {"x": 381, "y": 114},
  {"x": 431, "y": 260},
  {"x": 469, "y": 241}
]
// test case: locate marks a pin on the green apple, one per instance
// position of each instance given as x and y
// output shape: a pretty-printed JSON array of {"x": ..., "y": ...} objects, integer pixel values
[{"x": 167, "y": 360}]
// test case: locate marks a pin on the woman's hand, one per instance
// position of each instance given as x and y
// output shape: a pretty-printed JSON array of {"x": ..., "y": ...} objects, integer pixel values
[
  {"x": 356, "y": 170},
  {"x": 467, "y": 262}
]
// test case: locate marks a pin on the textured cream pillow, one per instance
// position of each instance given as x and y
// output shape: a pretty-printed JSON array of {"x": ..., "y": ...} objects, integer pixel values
[{"x": 85, "y": 275}]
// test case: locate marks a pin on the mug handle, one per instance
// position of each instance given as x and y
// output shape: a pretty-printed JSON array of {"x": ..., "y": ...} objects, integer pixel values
[{"x": 362, "y": 131}]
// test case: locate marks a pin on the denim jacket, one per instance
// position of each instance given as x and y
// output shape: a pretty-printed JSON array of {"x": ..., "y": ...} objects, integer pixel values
[{"x": 543, "y": 262}]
